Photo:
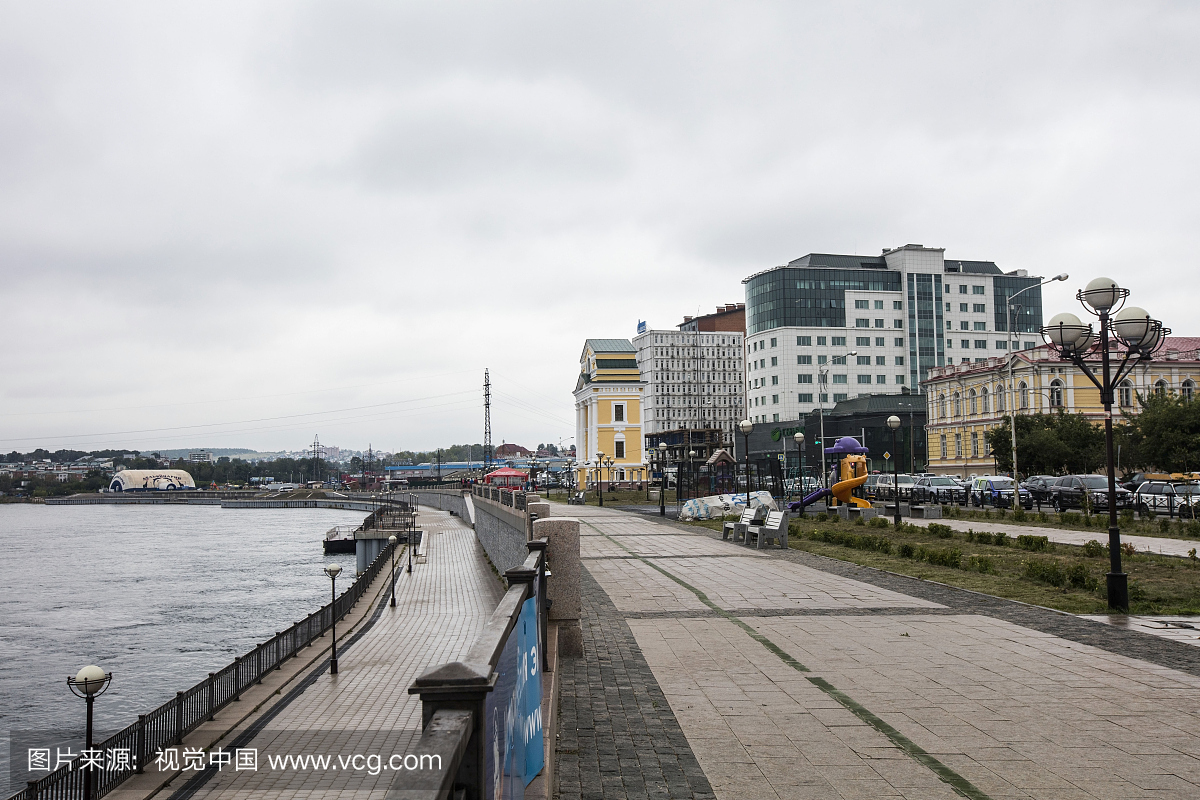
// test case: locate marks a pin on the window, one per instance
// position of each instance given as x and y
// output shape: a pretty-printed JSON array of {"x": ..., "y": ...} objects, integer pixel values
[
  {"x": 899, "y": 379},
  {"x": 962, "y": 307},
  {"x": 804, "y": 378},
  {"x": 965, "y": 344},
  {"x": 864, "y": 378},
  {"x": 774, "y": 342},
  {"x": 1000, "y": 395},
  {"x": 941, "y": 412},
  {"x": 964, "y": 325},
  {"x": 878, "y": 323},
  {"x": 774, "y": 361},
  {"x": 805, "y": 397},
  {"x": 1187, "y": 390},
  {"x": 839, "y": 396},
  {"x": 947, "y": 306},
  {"x": 949, "y": 325},
  {"x": 957, "y": 405},
  {"x": 1056, "y": 393},
  {"x": 897, "y": 323},
  {"x": 962, "y": 289},
  {"x": 943, "y": 444},
  {"x": 774, "y": 380},
  {"x": 983, "y": 401},
  {"x": 979, "y": 326},
  {"x": 1160, "y": 388},
  {"x": 979, "y": 308},
  {"x": 839, "y": 360},
  {"x": 620, "y": 445},
  {"x": 958, "y": 445},
  {"x": 881, "y": 378},
  {"x": 804, "y": 341},
  {"x": 775, "y": 399},
  {"x": 862, "y": 303},
  {"x": 822, "y": 359},
  {"x": 981, "y": 344},
  {"x": 803, "y": 359},
  {"x": 864, "y": 361},
  {"x": 775, "y": 418},
  {"x": 820, "y": 341},
  {"x": 974, "y": 444},
  {"x": 977, "y": 290},
  {"x": 837, "y": 341},
  {"x": 1028, "y": 345},
  {"x": 862, "y": 341},
  {"x": 879, "y": 305},
  {"x": 880, "y": 341},
  {"x": 618, "y": 412},
  {"x": 897, "y": 305},
  {"x": 840, "y": 379},
  {"x": 1001, "y": 345},
  {"x": 973, "y": 402},
  {"x": 898, "y": 342},
  {"x": 862, "y": 323},
  {"x": 899, "y": 361},
  {"x": 881, "y": 361}
]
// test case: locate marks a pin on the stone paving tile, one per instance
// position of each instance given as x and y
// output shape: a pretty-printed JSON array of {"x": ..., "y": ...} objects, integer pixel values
[{"x": 441, "y": 609}]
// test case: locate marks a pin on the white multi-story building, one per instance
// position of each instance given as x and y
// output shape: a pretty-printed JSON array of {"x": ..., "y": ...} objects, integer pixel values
[
  {"x": 693, "y": 380},
  {"x": 825, "y": 328}
]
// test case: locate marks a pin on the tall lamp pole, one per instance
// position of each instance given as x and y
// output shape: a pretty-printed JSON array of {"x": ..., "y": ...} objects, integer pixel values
[
  {"x": 600, "y": 478},
  {"x": 333, "y": 570},
  {"x": 746, "y": 427},
  {"x": 1072, "y": 339},
  {"x": 662, "y": 479},
  {"x": 799, "y": 438},
  {"x": 823, "y": 387},
  {"x": 893, "y": 422},
  {"x": 89, "y": 683},
  {"x": 1013, "y": 347},
  {"x": 392, "y": 541},
  {"x": 691, "y": 473}
]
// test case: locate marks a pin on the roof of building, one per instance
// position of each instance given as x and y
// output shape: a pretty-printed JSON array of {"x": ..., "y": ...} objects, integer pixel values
[
  {"x": 974, "y": 267},
  {"x": 837, "y": 261},
  {"x": 610, "y": 346},
  {"x": 878, "y": 404}
]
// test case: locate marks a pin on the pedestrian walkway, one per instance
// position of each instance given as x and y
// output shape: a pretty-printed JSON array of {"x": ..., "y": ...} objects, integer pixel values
[
  {"x": 789, "y": 675},
  {"x": 366, "y": 709},
  {"x": 1152, "y": 544}
]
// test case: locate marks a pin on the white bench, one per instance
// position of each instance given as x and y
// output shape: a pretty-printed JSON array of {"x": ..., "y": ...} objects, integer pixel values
[
  {"x": 775, "y": 529},
  {"x": 737, "y": 530},
  {"x": 422, "y": 549}
]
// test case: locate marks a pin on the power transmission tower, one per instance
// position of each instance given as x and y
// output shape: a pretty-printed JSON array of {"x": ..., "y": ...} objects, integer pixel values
[
  {"x": 316, "y": 458},
  {"x": 487, "y": 423}
]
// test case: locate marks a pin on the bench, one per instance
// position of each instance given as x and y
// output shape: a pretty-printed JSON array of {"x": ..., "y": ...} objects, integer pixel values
[
  {"x": 422, "y": 550},
  {"x": 926, "y": 512},
  {"x": 575, "y": 499},
  {"x": 737, "y": 530},
  {"x": 775, "y": 529}
]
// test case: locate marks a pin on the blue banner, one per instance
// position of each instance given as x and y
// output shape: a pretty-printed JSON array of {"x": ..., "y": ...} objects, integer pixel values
[{"x": 513, "y": 711}]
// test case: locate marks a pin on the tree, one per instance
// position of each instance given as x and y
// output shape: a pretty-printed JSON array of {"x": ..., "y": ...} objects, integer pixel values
[
  {"x": 1049, "y": 443},
  {"x": 1164, "y": 435}
]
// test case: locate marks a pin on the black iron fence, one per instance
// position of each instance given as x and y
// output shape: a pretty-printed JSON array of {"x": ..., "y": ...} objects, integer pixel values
[
  {"x": 166, "y": 725},
  {"x": 513, "y": 498}
]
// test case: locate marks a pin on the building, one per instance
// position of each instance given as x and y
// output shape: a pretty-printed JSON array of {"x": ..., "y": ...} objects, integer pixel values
[
  {"x": 966, "y": 400},
  {"x": 509, "y": 450},
  {"x": 609, "y": 398},
  {"x": 694, "y": 378},
  {"x": 201, "y": 457},
  {"x": 902, "y": 314}
]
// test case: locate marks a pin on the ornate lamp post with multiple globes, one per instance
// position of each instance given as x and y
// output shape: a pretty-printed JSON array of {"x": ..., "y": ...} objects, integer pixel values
[
  {"x": 1141, "y": 336},
  {"x": 747, "y": 427},
  {"x": 89, "y": 683}
]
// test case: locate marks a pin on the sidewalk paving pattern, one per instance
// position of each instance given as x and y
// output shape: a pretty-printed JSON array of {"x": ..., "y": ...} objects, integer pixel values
[
  {"x": 794, "y": 676},
  {"x": 442, "y": 607}
]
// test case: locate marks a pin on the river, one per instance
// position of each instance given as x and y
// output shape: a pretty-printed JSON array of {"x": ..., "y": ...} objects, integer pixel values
[{"x": 158, "y": 595}]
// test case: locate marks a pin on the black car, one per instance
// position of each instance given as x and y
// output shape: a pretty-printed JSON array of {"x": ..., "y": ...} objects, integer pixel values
[
  {"x": 938, "y": 489},
  {"x": 1069, "y": 491},
  {"x": 1040, "y": 486}
]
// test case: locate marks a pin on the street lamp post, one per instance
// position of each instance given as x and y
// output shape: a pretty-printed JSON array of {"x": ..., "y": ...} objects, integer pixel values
[
  {"x": 89, "y": 683},
  {"x": 799, "y": 438},
  {"x": 691, "y": 473},
  {"x": 893, "y": 422},
  {"x": 822, "y": 389},
  {"x": 333, "y": 570},
  {"x": 600, "y": 478},
  {"x": 608, "y": 462},
  {"x": 392, "y": 541},
  {"x": 746, "y": 427},
  {"x": 1012, "y": 348},
  {"x": 1072, "y": 339},
  {"x": 662, "y": 479}
]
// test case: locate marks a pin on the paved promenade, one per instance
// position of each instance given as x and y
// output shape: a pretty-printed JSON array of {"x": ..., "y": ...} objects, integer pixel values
[
  {"x": 715, "y": 671},
  {"x": 366, "y": 709}
]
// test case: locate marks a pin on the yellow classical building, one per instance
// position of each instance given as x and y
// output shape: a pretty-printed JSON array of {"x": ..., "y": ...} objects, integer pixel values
[
  {"x": 608, "y": 413},
  {"x": 964, "y": 401}
]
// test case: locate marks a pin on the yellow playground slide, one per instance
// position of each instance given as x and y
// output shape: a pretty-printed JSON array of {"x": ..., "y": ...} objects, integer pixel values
[{"x": 853, "y": 474}]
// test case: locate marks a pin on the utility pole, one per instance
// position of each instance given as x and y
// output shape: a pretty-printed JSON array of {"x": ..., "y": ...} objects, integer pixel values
[{"x": 487, "y": 422}]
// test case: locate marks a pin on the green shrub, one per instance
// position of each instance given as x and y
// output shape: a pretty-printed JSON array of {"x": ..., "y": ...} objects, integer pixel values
[
  {"x": 1127, "y": 518},
  {"x": 855, "y": 541},
  {"x": 878, "y": 522},
  {"x": 1000, "y": 539},
  {"x": 1045, "y": 571},
  {"x": 1070, "y": 518},
  {"x": 1079, "y": 577},
  {"x": 1164, "y": 525},
  {"x": 1043, "y": 516},
  {"x": 940, "y": 531},
  {"x": 859, "y": 520},
  {"x": 906, "y": 551},
  {"x": 1094, "y": 549},
  {"x": 982, "y": 564},
  {"x": 1034, "y": 544},
  {"x": 1019, "y": 515},
  {"x": 1000, "y": 513},
  {"x": 1136, "y": 592},
  {"x": 949, "y": 557},
  {"x": 987, "y": 513},
  {"x": 1193, "y": 528}
]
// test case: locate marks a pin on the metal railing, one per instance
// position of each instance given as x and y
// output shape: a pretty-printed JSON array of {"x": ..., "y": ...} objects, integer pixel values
[
  {"x": 457, "y": 699},
  {"x": 169, "y": 723},
  {"x": 513, "y": 498}
]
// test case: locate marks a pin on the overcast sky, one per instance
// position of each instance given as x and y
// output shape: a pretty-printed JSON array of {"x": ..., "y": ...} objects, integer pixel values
[{"x": 244, "y": 224}]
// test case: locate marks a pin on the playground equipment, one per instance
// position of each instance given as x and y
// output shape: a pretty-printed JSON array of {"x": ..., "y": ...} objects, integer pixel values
[{"x": 852, "y": 470}]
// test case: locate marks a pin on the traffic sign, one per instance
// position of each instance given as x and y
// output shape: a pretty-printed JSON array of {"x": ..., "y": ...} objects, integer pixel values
[{"x": 886, "y": 455}]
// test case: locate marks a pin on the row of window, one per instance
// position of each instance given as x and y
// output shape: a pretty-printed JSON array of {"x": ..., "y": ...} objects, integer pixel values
[
  {"x": 979, "y": 402},
  {"x": 897, "y": 305},
  {"x": 976, "y": 440},
  {"x": 880, "y": 341},
  {"x": 970, "y": 308},
  {"x": 862, "y": 322},
  {"x": 962, "y": 289}
]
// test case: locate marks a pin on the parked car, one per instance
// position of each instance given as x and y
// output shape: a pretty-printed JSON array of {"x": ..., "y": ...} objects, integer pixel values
[
  {"x": 884, "y": 488},
  {"x": 1039, "y": 486},
  {"x": 998, "y": 491},
  {"x": 1134, "y": 481},
  {"x": 1070, "y": 490},
  {"x": 1161, "y": 497},
  {"x": 938, "y": 489}
]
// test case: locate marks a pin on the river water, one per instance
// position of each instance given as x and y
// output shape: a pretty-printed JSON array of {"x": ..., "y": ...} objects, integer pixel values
[{"x": 158, "y": 595}]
